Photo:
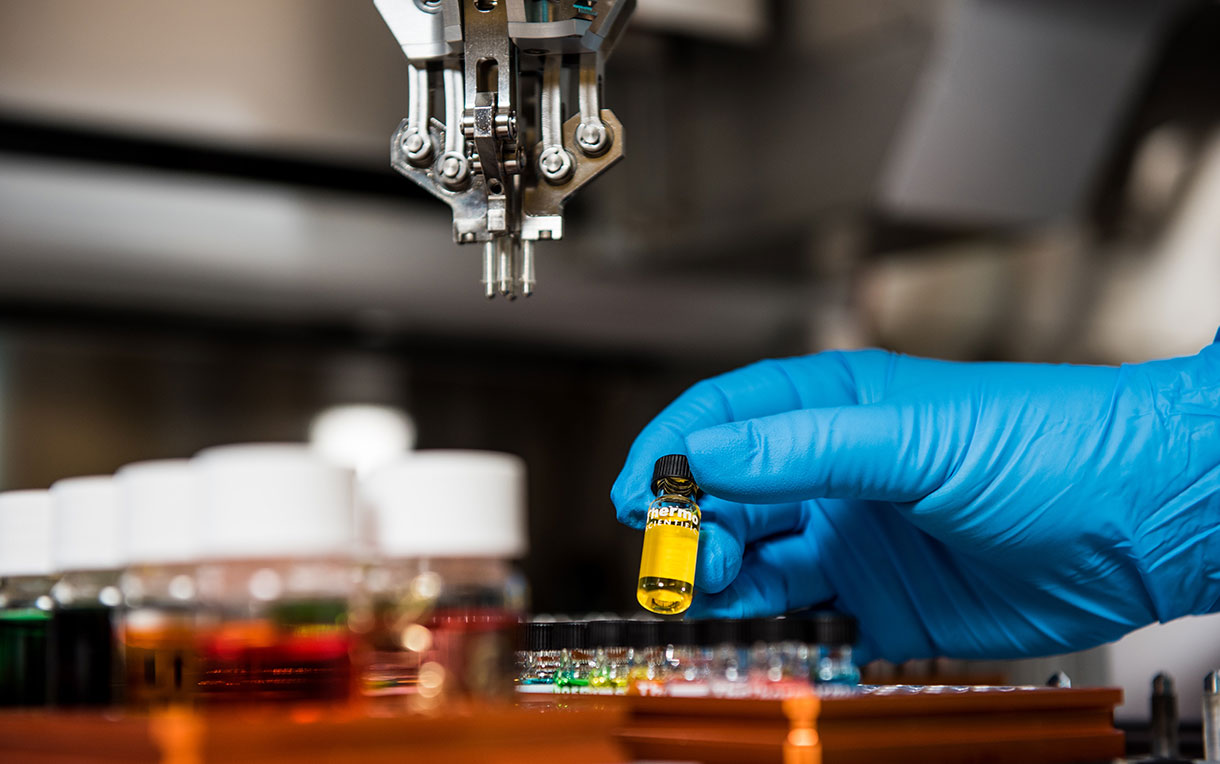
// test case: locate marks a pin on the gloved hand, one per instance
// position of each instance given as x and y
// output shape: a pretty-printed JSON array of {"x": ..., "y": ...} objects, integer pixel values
[{"x": 964, "y": 510}]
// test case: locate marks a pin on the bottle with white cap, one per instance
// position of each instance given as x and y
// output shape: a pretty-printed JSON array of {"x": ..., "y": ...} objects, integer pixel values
[
  {"x": 85, "y": 665},
  {"x": 25, "y": 597},
  {"x": 159, "y": 533},
  {"x": 275, "y": 575},
  {"x": 438, "y": 614}
]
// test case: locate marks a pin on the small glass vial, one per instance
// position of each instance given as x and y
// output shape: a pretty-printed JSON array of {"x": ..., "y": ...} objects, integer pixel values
[
  {"x": 275, "y": 577},
  {"x": 575, "y": 658},
  {"x": 686, "y": 674},
  {"x": 645, "y": 658},
  {"x": 666, "y": 583},
  {"x": 84, "y": 657},
  {"x": 765, "y": 637},
  {"x": 438, "y": 613},
  {"x": 721, "y": 642},
  {"x": 608, "y": 640},
  {"x": 833, "y": 635},
  {"x": 25, "y": 597},
  {"x": 160, "y": 593},
  {"x": 538, "y": 659}
]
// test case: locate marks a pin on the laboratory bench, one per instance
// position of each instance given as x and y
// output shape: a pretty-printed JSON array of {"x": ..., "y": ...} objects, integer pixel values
[{"x": 911, "y": 724}]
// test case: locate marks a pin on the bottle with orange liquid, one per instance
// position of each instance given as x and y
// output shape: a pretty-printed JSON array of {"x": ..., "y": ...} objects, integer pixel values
[
  {"x": 158, "y": 529},
  {"x": 437, "y": 615}
]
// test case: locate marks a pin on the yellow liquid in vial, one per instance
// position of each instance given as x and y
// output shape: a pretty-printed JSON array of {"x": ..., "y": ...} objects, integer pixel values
[{"x": 667, "y": 564}]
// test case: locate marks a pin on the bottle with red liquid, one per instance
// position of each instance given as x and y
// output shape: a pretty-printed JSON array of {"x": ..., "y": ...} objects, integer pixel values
[
  {"x": 437, "y": 614},
  {"x": 275, "y": 576}
]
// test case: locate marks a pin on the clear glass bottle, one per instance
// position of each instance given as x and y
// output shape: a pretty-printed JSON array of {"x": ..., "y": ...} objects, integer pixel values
[
  {"x": 721, "y": 641},
  {"x": 439, "y": 612},
  {"x": 537, "y": 659},
  {"x": 25, "y": 597},
  {"x": 160, "y": 591},
  {"x": 645, "y": 658},
  {"x": 85, "y": 665},
  {"x": 833, "y": 635},
  {"x": 608, "y": 640},
  {"x": 686, "y": 672},
  {"x": 766, "y": 638},
  {"x": 666, "y": 582},
  {"x": 276, "y": 576}
]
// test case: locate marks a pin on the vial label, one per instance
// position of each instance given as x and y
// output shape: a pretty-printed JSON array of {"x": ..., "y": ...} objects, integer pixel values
[
  {"x": 675, "y": 516},
  {"x": 667, "y": 563}
]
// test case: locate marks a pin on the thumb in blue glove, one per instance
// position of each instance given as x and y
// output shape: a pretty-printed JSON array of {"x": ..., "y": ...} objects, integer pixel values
[{"x": 967, "y": 510}]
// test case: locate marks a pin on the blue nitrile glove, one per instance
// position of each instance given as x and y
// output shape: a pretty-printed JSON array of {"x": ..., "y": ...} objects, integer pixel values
[{"x": 956, "y": 509}]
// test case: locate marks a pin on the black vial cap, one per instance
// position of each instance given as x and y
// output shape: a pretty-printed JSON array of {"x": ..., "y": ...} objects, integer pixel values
[
  {"x": 831, "y": 628},
  {"x": 643, "y": 634},
  {"x": 607, "y": 634},
  {"x": 773, "y": 630},
  {"x": 720, "y": 631},
  {"x": 572, "y": 635},
  {"x": 672, "y": 466},
  {"x": 678, "y": 632},
  {"x": 537, "y": 635}
]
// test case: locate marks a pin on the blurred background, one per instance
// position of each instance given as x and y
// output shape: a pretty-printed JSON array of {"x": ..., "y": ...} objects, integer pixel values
[{"x": 202, "y": 242}]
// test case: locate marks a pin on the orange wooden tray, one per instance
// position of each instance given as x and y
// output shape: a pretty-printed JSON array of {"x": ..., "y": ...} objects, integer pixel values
[{"x": 909, "y": 724}]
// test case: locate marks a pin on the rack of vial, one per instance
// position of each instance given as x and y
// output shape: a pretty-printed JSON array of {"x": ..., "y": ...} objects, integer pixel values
[
  {"x": 755, "y": 658},
  {"x": 251, "y": 574}
]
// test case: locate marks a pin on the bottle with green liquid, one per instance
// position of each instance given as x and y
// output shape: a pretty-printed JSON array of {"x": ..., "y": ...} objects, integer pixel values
[
  {"x": 575, "y": 658},
  {"x": 25, "y": 597}
]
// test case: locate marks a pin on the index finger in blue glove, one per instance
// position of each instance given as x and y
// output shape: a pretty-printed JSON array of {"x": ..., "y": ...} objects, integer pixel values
[
  {"x": 881, "y": 451},
  {"x": 763, "y": 388}
]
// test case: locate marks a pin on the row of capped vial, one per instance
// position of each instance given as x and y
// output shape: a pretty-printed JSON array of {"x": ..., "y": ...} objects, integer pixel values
[
  {"x": 263, "y": 573},
  {"x": 761, "y": 657}
]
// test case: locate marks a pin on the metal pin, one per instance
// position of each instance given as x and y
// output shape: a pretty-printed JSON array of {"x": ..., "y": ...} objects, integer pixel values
[
  {"x": 504, "y": 266},
  {"x": 527, "y": 267},
  {"x": 1164, "y": 718},
  {"x": 489, "y": 269},
  {"x": 1211, "y": 716}
]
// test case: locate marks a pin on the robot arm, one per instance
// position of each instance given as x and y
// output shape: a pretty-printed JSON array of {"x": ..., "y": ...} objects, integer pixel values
[{"x": 501, "y": 155}]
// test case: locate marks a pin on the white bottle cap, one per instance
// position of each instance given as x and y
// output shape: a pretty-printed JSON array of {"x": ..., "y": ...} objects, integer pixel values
[
  {"x": 269, "y": 500},
  {"x": 449, "y": 504},
  {"x": 160, "y": 518},
  {"x": 85, "y": 524},
  {"x": 25, "y": 533}
]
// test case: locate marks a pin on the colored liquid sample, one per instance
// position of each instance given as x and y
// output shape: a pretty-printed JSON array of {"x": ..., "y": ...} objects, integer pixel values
[
  {"x": 300, "y": 653},
  {"x": 83, "y": 667},
  {"x": 458, "y": 652},
  {"x": 23, "y": 657},
  {"x": 161, "y": 663},
  {"x": 667, "y": 563}
]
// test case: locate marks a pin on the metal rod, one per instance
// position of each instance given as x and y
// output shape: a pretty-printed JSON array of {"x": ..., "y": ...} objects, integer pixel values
[
  {"x": 489, "y": 269},
  {"x": 1164, "y": 718},
  {"x": 1211, "y": 716},
  {"x": 527, "y": 268},
  {"x": 504, "y": 267}
]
